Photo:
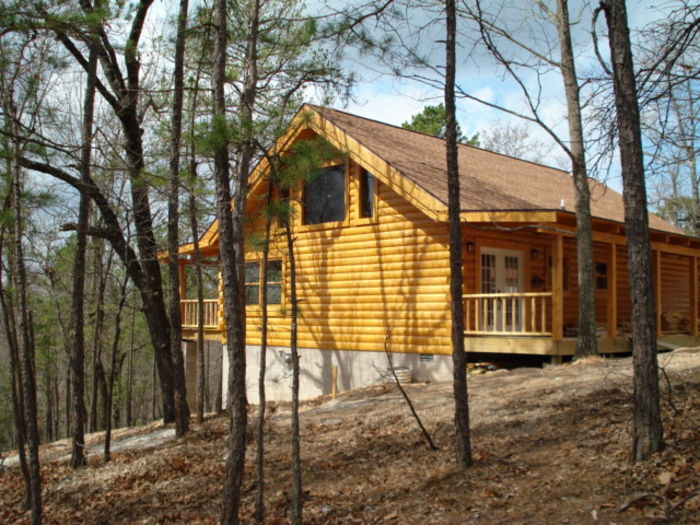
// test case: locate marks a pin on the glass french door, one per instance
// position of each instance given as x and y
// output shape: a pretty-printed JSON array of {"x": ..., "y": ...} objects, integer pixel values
[{"x": 501, "y": 273}]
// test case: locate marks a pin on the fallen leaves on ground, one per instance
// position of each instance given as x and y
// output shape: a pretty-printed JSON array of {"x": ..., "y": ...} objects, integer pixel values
[{"x": 550, "y": 446}]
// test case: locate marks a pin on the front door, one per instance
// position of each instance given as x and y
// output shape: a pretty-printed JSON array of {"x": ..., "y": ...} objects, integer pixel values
[{"x": 501, "y": 273}]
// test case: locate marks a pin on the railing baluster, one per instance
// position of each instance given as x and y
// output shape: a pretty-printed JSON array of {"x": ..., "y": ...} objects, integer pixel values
[{"x": 517, "y": 315}]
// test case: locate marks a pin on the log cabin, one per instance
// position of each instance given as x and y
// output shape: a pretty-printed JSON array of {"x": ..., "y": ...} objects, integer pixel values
[{"x": 371, "y": 245}]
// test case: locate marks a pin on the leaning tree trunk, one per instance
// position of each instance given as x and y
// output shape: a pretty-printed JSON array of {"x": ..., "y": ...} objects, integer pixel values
[
  {"x": 459, "y": 356},
  {"x": 647, "y": 427},
  {"x": 586, "y": 341}
]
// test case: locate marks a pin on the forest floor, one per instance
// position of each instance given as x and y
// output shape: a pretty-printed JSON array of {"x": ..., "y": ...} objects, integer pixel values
[{"x": 550, "y": 446}]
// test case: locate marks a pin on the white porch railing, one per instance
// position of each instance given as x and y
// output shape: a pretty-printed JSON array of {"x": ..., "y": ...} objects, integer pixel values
[
  {"x": 189, "y": 313},
  {"x": 508, "y": 314}
]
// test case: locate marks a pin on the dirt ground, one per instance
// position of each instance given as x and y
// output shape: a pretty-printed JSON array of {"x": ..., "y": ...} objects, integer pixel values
[{"x": 550, "y": 446}]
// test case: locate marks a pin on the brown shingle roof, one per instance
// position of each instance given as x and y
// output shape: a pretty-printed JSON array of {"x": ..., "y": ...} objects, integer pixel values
[{"x": 488, "y": 181}]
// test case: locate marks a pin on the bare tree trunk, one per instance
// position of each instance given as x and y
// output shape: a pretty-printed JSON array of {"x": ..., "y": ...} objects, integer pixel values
[
  {"x": 260, "y": 452},
  {"x": 130, "y": 373},
  {"x": 647, "y": 426},
  {"x": 201, "y": 376},
  {"x": 25, "y": 347},
  {"x": 113, "y": 369},
  {"x": 197, "y": 256},
  {"x": 459, "y": 356},
  {"x": 50, "y": 401},
  {"x": 77, "y": 353},
  {"x": 586, "y": 341},
  {"x": 124, "y": 98},
  {"x": 233, "y": 290},
  {"x": 17, "y": 388},
  {"x": 297, "y": 493},
  {"x": 68, "y": 400},
  {"x": 181, "y": 410},
  {"x": 99, "y": 385},
  {"x": 154, "y": 382}
]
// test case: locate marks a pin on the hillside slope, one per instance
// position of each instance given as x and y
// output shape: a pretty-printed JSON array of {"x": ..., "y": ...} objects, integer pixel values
[{"x": 550, "y": 446}]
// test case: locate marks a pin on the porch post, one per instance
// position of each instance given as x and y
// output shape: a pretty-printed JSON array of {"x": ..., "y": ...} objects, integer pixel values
[
  {"x": 183, "y": 287},
  {"x": 612, "y": 291},
  {"x": 558, "y": 287},
  {"x": 220, "y": 316},
  {"x": 657, "y": 290},
  {"x": 694, "y": 296}
]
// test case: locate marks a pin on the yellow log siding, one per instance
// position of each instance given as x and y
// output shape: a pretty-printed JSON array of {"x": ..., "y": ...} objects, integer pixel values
[
  {"x": 675, "y": 296},
  {"x": 364, "y": 278}
]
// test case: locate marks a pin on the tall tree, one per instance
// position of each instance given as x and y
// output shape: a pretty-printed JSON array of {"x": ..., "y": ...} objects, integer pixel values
[
  {"x": 432, "y": 120},
  {"x": 647, "y": 426},
  {"x": 180, "y": 396},
  {"x": 21, "y": 97},
  {"x": 122, "y": 92},
  {"x": 234, "y": 305},
  {"x": 459, "y": 355},
  {"x": 586, "y": 340},
  {"x": 77, "y": 353},
  {"x": 491, "y": 29}
]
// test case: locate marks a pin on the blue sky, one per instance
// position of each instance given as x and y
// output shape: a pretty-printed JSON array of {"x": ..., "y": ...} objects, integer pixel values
[{"x": 388, "y": 99}]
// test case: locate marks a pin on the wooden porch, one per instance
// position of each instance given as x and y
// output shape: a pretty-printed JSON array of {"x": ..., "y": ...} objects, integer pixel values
[
  {"x": 538, "y": 314},
  {"x": 213, "y": 319}
]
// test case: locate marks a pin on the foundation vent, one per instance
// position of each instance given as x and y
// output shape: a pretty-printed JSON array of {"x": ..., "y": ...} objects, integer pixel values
[{"x": 426, "y": 358}]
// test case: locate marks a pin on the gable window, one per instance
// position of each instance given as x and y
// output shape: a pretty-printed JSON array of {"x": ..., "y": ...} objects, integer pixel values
[
  {"x": 324, "y": 196},
  {"x": 368, "y": 187},
  {"x": 254, "y": 278}
]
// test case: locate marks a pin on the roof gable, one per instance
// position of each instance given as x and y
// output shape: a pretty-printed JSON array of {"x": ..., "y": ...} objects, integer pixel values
[
  {"x": 488, "y": 181},
  {"x": 413, "y": 164}
]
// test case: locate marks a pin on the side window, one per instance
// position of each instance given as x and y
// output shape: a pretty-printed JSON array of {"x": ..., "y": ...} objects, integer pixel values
[
  {"x": 252, "y": 283},
  {"x": 324, "y": 196},
  {"x": 274, "y": 281},
  {"x": 368, "y": 187}
]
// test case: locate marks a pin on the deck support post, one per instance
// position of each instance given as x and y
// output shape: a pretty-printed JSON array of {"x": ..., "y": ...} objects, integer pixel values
[
  {"x": 334, "y": 381},
  {"x": 558, "y": 288},
  {"x": 612, "y": 291},
  {"x": 694, "y": 296}
]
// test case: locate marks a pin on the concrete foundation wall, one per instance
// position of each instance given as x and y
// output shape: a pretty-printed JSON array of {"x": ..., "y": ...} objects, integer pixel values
[{"x": 355, "y": 369}]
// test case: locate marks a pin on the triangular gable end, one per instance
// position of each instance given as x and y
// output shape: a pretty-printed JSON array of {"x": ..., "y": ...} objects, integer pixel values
[{"x": 308, "y": 118}]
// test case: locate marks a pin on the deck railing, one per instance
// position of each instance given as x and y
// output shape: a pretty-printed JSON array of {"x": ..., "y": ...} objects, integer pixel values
[
  {"x": 190, "y": 310},
  {"x": 508, "y": 314}
]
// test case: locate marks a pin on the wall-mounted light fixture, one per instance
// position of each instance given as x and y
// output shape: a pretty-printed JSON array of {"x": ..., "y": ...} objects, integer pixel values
[
  {"x": 470, "y": 247},
  {"x": 535, "y": 253}
]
